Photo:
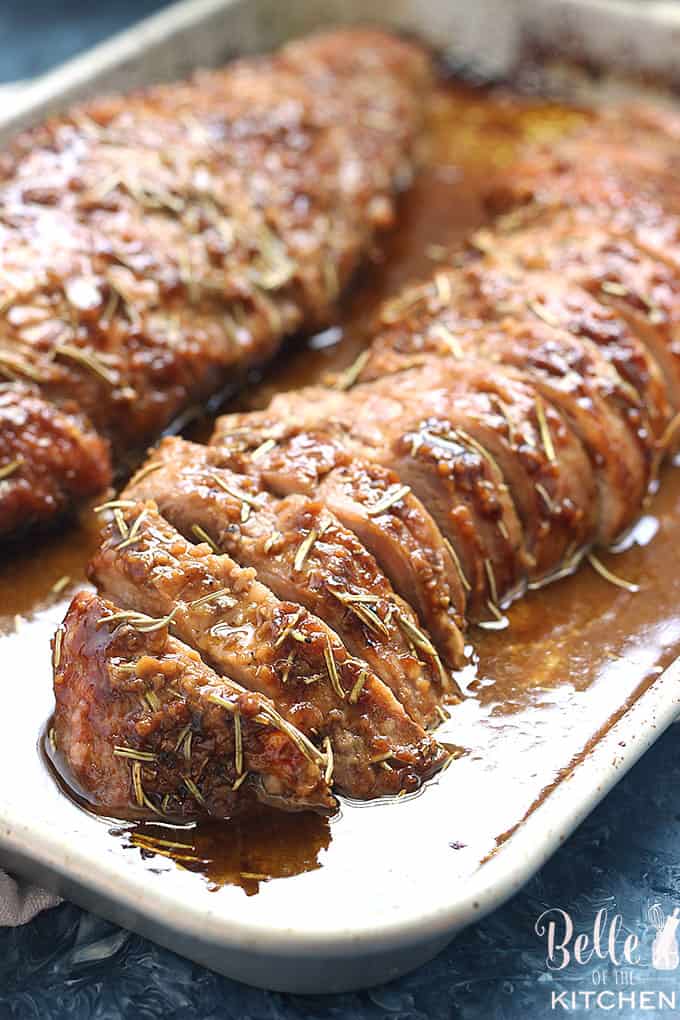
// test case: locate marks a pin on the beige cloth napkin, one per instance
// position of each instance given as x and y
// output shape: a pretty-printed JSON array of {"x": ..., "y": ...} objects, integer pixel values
[{"x": 20, "y": 902}]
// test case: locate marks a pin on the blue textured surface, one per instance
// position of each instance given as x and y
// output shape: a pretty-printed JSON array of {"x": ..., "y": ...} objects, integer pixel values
[{"x": 624, "y": 858}]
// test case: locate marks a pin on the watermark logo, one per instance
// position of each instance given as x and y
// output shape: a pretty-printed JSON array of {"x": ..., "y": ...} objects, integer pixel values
[{"x": 612, "y": 959}]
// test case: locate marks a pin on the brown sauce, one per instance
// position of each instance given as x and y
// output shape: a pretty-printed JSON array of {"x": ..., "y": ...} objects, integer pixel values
[{"x": 573, "y": 657}]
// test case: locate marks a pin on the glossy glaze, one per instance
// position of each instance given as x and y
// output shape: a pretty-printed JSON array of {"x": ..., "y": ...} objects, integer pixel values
[{"x": 572, "y": 658}]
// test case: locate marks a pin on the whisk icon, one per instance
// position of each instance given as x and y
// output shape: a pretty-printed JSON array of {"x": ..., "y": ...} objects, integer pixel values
[{"x": 665, "y": 954}]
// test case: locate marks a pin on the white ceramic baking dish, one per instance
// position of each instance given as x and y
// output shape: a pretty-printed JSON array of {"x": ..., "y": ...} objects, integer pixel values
[{"x": 395, "y": 885}]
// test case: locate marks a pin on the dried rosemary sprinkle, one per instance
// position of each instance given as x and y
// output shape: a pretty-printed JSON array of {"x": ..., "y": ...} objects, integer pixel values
[
  {"x": 194, "y": 790},
  {"x": 263, "y": 449},
  {"x": 137, "y": 783},
  {"x": 239, "y": 782},
  {"x": 305, "y": 549},
  {"x": 182, "y": 736},
  {"x": 140, "y": 621},
  {"x": 457, "y": 564},
  {"x": 247, "y": 501},
  {"x": 238, "y": 744},
  {"x": 152, "y": 700},
  {"x": 387, "y": 501},
  {"x": 422, "y": 643},
  {"x": 12, "y": 367},
  {"x": 332, "y": 669},
  {"x": 328, "y": 749},
  {"x": 89, "y": 360},
  {"x": 348, "y": 378},
  {"x": 358, "y": 687},
  {"x": 56, "y": 654},
  {"x": 222, "y": 594},
  {"x": 440, "y": 332},
  {"x": 271, "y": 541},
  {"x": 541, "y": 312},
  {"x": 58, "y": 586},
  {"x": 289, "y": 627},
  {"x": 543, "y": 493},
  {"x": 121, "y": 751},
  {"x": 360, "y": 605},
  {"x": 115, "y": 504},
  {"x": 544, "y": 428},
  {"x": 442, "y": 285},
  {"x": 491, "y": 579},
  {"x": 145, "y": 471},
  {"x": 444, "y": 716},
  {"x": 302, "y": 742},
  {"x": 614, "y": 288},
  {"x": 202, "y": 535},
  {"x": 619, "y": 582},
  {"x": 9, "y": 469},
  {"x": 120, "y": 523},
  {"x": 134, "y": 532}
]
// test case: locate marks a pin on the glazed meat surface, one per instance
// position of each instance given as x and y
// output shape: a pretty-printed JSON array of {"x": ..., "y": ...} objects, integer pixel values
[
  {"x": 146, "y": 726},
  {"x": 154, "y": 246},
  {"x": 369, "y": 499},
  {"x": 50, "y": 458},
  {"x": 303, "y": 554},
  {"x": 508, "y": 417},
  {"x": 275, "y": 647}
]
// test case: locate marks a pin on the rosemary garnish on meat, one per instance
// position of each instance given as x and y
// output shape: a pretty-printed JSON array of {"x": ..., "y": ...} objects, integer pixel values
[
  {"x": 145, "y": 471},
  {"x": 544, "y": 429},
  {"x": 289, "y": 627},
  {"x": 358, "y": 686},
  {"x": 304, "y": 549},
  {"x": 360, "y": 605},
  {"x": 7, "y": 470},
  {"x": 239, "y": 781},
  {"x": 89, "y": 360},
  {"x": 607, "y": 575},
  {"x": 60, "y": 585},
  {"x": 263, "y": 449},
  {"x": 387, "y": 501},
  {"x": 238, "y": 744},
  {"x": 541, "y": 312},
  {"x": 56, "y": 653},
  {"x": 202, "y": 535},
  {"x": 422, "y": 643},
  {"x": 12, "y": 367},
  {"x": 328, "y": 749},
  {"x": 121, "y": 751},
  {"x": 139, "y": 621},
  {"x": 347, "y": 379},
  {"x": 221, "y": 595},
  {"x": 247, "y": 501},
  {"x": 134, "y": 535},
  {"x": 332, "y": 669},
  {"x": 457, "y": 564},
  {"x": 440, "y": 332},
  {"x": 194, "y": 790}
]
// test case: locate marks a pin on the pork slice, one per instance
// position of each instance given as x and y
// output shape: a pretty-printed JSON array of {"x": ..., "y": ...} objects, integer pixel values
[
  {"x": 50, "y": 461},
  {"x": 277, "y": 648},
  {"x": 462, "y": 488},
  {"x": 303, "y": 554},
  {"x": 404, "y": 538},
  {"x": 145, "y": 726},
  {"x": 642, "y": 289}
]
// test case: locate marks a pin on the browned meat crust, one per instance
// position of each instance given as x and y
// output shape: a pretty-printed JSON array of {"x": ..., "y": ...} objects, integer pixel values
[
  {"x": 399, "y": 532},
  {"x": 50, "y": 459},
  {"x": 145, "y": 726},
  {"x": 303, "y": 554},
  {"x": 156, "y": 245},
  {"x": 277, "y": 648}
]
